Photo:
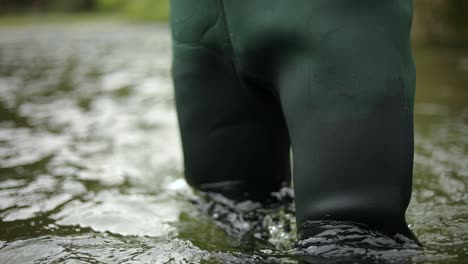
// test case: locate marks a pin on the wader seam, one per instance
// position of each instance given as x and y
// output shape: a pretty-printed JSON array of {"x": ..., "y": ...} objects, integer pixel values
[
  {"x": 227, "y": 34},
  {"x": 233, "y": 61}
]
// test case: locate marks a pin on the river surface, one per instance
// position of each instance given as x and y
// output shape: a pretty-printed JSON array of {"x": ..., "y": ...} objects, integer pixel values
[{"x": 91, "y": 167}]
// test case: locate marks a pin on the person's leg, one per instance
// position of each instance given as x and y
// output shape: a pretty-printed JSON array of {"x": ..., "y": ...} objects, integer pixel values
[
  {"x": 348, "y": 101},
  {"x": 234, "y": 138},
  {"x": 345, "y": 77}
]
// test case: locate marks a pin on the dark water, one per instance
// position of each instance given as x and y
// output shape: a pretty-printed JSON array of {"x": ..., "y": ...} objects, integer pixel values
[{"x": 90, "y": 160}]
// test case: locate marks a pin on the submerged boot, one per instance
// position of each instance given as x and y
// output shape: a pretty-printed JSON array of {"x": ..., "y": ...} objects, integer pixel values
[{"x": 335, "y": 78}]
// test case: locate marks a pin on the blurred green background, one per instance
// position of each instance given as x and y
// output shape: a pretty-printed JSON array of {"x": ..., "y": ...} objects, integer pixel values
[
  {"x": 435, "y": 21},
  {"x": 145, "y": 10}
]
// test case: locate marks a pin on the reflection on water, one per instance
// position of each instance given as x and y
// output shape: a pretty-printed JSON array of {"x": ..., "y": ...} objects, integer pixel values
[{"x": 91, "y": 167}]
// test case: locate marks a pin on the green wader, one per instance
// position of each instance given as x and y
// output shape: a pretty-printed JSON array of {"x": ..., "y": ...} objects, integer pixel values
[{"x": 332, "y": 79}]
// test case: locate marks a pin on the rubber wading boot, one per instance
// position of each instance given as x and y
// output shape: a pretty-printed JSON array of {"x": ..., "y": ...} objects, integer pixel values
[{"x": 333, "y": 79}]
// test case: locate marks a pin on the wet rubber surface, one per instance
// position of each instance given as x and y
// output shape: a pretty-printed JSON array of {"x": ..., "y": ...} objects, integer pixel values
[{"x": 91, "y": 169}]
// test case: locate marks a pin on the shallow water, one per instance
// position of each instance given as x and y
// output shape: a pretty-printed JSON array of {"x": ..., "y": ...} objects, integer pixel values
[{"x": 90, "y": 160}]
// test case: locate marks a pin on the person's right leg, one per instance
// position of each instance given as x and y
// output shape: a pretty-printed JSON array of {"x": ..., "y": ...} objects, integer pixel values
[{"x": 234, "y": 136}]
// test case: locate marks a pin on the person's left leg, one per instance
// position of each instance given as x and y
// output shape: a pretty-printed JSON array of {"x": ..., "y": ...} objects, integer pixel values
[
  {"x": 348, "y": 102},
  {"x": 345, "y": 77}
]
